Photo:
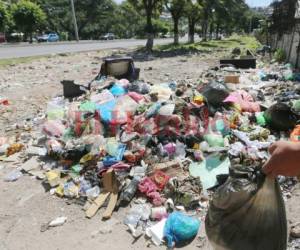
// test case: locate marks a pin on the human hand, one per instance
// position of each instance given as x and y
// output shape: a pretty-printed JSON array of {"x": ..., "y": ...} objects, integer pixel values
[{"x": 284, "y": 160}]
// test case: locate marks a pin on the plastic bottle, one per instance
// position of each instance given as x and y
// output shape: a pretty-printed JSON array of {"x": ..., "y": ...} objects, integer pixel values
[
  {"x": 93, "y": 193},
  {"x": 130, "y": 190}
]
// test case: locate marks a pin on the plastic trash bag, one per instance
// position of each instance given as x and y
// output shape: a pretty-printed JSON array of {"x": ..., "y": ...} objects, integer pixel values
[
  {"x": 215, "y": 93},
  {"x": 281, "y": 117},
  {"x": 247, "y": 212},
  {"x": 179, "y": 228}
]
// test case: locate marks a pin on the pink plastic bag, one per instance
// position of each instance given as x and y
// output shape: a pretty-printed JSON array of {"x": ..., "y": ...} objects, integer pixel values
[
  {"x": 54, "y": 128},
  {"x": 244, "y": 100},
  {"x": 149, "y": 188},
  {"x": 136, "y": 96}
]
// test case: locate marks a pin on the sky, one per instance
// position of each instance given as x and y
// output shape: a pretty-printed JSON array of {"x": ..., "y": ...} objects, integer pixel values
[{"x": 252, "y": 3}]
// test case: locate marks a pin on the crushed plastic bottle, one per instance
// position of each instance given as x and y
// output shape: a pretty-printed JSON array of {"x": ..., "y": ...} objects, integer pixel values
[
  {"x": 130, "y": 190},
  {"x": 13, "y": 176},
  {"x": 93, "y": 193}
]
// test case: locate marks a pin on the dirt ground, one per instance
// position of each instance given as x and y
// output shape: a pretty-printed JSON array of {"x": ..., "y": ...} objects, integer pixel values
[{"x": 24, "y": 204}]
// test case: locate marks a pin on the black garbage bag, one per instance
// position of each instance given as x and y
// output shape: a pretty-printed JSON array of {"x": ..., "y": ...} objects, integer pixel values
[
  {"x": 247, "y": 213},
  {"x": 281, "y": 117},
  {"x": 215, "y": 93}
]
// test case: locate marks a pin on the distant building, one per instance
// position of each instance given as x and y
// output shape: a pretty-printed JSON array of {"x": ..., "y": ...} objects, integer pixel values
[{"x": 166, "y": 16}]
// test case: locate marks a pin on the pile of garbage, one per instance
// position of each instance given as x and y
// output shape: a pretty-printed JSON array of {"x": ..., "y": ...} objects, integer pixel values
[{"x": 166, "y": 149}]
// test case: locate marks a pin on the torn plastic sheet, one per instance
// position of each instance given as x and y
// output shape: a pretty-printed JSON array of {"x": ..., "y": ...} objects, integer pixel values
[
  {"x": 244, "y": 138},
  {"x": 209, "y": 169}
]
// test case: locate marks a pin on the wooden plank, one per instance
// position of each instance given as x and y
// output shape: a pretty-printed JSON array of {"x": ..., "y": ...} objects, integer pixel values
[
  {"x": 97, "y": 203},
  {"x": 111, "y": 206}
]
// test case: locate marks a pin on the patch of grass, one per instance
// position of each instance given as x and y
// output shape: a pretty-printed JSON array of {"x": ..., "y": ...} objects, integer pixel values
[
  {"x": 243, "y": 42},
  {"x": 14, "y": 61}
]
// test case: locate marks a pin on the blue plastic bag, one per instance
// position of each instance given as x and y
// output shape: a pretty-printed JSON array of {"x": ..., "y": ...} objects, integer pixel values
[
  {"x": 117, "y": 90},
  {"x": 179, "y": 228},
  {"x": 111, "y": 160},
  {"x": 105, "y": 110}
]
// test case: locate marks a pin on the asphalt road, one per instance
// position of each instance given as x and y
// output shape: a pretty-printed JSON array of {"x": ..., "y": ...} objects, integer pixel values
[{"x": 26, "y": 50}]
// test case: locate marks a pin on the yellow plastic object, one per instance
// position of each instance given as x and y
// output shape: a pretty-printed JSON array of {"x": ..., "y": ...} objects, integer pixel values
[
  {"x": 53, "y": 178},
  {"x": 86, "y": 158},
  {"x": 198, "y": 99},
  {"x": 60, "y": 190}
]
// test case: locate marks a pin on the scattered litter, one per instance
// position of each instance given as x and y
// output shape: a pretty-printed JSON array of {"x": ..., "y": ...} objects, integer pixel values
[
  {"x": 59, "y": 221},
  {"x": 156, "y": 232},
  {"x": 165, "y": 150},
  {"x": 13, "y": 176}
]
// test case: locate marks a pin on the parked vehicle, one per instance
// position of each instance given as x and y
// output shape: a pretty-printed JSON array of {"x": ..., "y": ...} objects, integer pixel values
[
  {"x": 2, "y": 38},
  {"x": 51, "y": 37},
  {"x": 108, "y": 36}
]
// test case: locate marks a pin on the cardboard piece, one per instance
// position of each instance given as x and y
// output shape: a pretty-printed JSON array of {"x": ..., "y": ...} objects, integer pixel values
[
  {"x": 31, "y": 164},
  {"x": 171, "y": 168},
  {"x": 37, "y": 173},
  {"x": 232, "y": 79}
]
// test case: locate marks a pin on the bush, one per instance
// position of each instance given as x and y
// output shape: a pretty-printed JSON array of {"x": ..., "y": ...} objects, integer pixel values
[{"x": 280, "y": 55}]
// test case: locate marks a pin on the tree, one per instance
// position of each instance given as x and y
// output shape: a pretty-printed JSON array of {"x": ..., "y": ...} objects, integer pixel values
[
  {"x": 193, "y": 12},
  {"x": 127, "y": 22},
  {"x": 176, "y": 8},
  {"x": 28, "y": 17},
  {"x": 94, "y": 17},
  {"x": 150, "y": 8},
  {"x": 208, "y": 8},
  {"x": 3, "y": 17}
]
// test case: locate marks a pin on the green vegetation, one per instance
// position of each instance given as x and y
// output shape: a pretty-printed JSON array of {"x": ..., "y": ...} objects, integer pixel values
[
  {"x": 243, "y": 42},
  {"x": 150, "y": 9},
  {"x": 280, "y": 55},
  {"x": 176, "y": 8},
  {"x": 3, "y": 16},
  {"x": 14, "y": 61},
  {"x": 28, "y": 17},
  {"x": 133, "y": 18}
]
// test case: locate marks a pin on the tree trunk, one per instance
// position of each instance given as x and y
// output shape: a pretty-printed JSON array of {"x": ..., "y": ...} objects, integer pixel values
[
  {"x": 191, "y": 31},
  {"x": 211, "y": 29},
  {"x": 217, "y": 31},
  {"x": 205, "y": 25},
  {"x": 30, "y": 37},
  {"x": 204, "y": 31},
  {"x": 176, "y": 33},
  {"x": 150, "y": 35}
]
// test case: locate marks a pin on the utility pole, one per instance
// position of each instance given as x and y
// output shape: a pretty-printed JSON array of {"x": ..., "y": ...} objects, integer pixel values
[{"x": 74, "y": 21}]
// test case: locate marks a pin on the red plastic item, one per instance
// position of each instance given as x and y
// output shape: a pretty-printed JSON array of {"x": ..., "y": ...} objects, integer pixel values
[
  {"x": 295, "y": 135},
  {"x": 149, "y": 188},
  {"x": 4, "y": 102},
  {"x": 160, "y": 179}
]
